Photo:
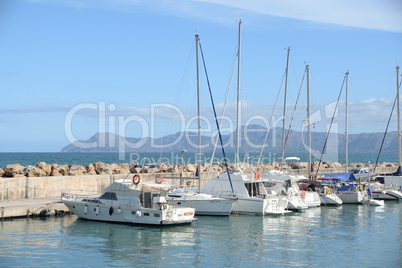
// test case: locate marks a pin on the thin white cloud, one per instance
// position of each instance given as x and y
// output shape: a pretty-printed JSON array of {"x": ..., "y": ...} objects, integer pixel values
[
  {"x": 384, "y": 15},
  {"x": 369, "y": 14}
]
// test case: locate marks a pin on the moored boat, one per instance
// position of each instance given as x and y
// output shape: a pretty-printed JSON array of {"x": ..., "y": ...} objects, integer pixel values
[
  {"x": 327, "y": 192},
  {"x": 204, "y": 204},
  {"x": 129, "y": 202},
  {"x": 250, "y": 193},
  {"x": 352, "y": 194},
  {"x": 380, "y": 192}
]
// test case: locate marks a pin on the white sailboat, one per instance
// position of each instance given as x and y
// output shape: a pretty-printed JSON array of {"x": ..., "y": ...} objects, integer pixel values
[
  {"x": 327, "y": 192},
  {"x": 295, "y": 196},
  {"x": 391, "y": 184},
  {"x": 251, "y": 195},
  {"x": 204, "y": 204},
  {"x": 351, "y": 193}
]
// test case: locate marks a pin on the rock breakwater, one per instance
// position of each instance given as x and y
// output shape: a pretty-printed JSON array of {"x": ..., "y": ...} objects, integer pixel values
[{"x": 43, "y": 169}]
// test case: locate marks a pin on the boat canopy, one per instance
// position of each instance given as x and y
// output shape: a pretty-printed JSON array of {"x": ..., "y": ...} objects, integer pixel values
[
  {"x": 345, "y": 188},
  {"x": 292, "y": 158},
  {"x": 328, "y": 179},
  {"x": 343, "y": 176}
]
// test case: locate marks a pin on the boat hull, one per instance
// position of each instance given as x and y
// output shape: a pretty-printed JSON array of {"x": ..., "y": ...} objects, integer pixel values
[
  {"x": 258, "y": 206},
  {"x": 213, "y": 207},
  {"x": 330, "y": 200},
  {"x": 147, "y": 216},
  {"x": 312, "y": 199},
  {"x": 380, "y": 194},
  {"x": 351, "y": 197}
]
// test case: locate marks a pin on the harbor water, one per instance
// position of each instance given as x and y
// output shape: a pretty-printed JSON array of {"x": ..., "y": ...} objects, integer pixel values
[
  {"x": 345, "y": 236},
  {"x": 85, "y": 159}
]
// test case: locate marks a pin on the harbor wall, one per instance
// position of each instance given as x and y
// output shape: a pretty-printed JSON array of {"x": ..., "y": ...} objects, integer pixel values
[{"x": 53, "y": 186}]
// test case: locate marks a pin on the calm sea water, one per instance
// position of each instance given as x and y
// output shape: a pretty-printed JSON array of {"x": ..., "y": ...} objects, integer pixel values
[
  {"x": 85, "y": 159},
  {"x": 346, "y": 236}
]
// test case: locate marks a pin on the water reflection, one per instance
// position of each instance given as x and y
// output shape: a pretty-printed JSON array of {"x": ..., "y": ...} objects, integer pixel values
[{"x": 316, "y": 237}]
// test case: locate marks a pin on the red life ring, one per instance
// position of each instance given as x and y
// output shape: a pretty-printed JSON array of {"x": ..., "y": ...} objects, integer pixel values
[
  {"x": 158, "y": 178},
  {"x": 257, "y": 175},
  {"x": 303, "y": 195},
  {"x": 136, "y": 179}
]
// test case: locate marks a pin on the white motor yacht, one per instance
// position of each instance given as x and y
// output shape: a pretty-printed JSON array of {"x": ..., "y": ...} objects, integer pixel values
[
  {"x": 251, "y": 195},
  {"x": 129, "y": 202}
]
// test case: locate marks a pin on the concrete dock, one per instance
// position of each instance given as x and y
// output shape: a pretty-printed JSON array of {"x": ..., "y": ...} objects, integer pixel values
[{"x": 30, "y": 207}]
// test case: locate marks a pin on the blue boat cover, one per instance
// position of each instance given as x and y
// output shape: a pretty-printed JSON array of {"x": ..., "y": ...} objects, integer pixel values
[
  {"x": 344, "y": 176},
  {"x": 345, "y": 188}
]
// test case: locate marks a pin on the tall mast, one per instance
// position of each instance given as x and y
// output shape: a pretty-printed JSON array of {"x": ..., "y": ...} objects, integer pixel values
[
  {"x": 197, "y": 41},
  {"x": 346, "y": 124},
  {"x": 399, "y": 117},
  {"x": 238, "y": 102},
  {"x": 308, "y": 120},
  {"x": 284, "y": 109}
]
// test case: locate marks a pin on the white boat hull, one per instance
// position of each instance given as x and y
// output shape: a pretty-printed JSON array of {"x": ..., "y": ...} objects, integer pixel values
[
  {"x": 351, "y": 197},
  {"x": 330, "y": 200},
  {"x": 99, "y": 212},
  {"x": 258, "y": 206},
  {"x": 386, "y": 194},
  {"x": 312, "y": 199},
  {"x": 373, "y": 202},
  {"x": 206, "y": 207}
]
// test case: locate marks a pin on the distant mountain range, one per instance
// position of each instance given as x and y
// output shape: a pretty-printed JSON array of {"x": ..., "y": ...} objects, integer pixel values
[{"x": 250, "y": 141}]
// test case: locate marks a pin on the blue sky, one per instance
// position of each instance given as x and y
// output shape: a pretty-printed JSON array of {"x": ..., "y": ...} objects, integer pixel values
[{"x": 71, "y": 68}]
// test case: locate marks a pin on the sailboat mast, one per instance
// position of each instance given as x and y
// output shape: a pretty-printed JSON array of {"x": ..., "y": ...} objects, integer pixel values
[
  {"x": 308, "y": 120},
  {"x": 346, "y": 124},
  {"x": 284, "y": 109},
  {"x": 238, "y": 101},
  {"x": 399, "y": 117},
  {"x": 197, "y": 41}
]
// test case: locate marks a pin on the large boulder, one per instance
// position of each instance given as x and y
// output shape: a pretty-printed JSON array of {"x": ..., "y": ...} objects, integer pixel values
[
  {"x": 63, "y": 169},
  {"x": 120, "y": 169},
  {"x": 90, "y": 170},
  {"x": 45, "y": 167},
  {"x": 1, "y": 172},
  {"x": 54, "y": 171},
  {"x": 191, "y": 168},
  {"x": 76, "y": 170},
  {"x": 102, "y": 168},
  {"x": 36, "y": 172},
  {"x": 27, "y": 170},
  {"x": 14, "y": 171}
]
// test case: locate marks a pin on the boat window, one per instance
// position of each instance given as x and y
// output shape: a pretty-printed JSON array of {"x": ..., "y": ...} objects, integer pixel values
[
  {"x": 109, "y": 196},
  {"x": 252, "y": 189},
  {"x": 91, "y": 200},
  {"x": 380, "y": 180},
  {"x": 157, "y": 215},
  {"x": 146, "y": 214}
]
